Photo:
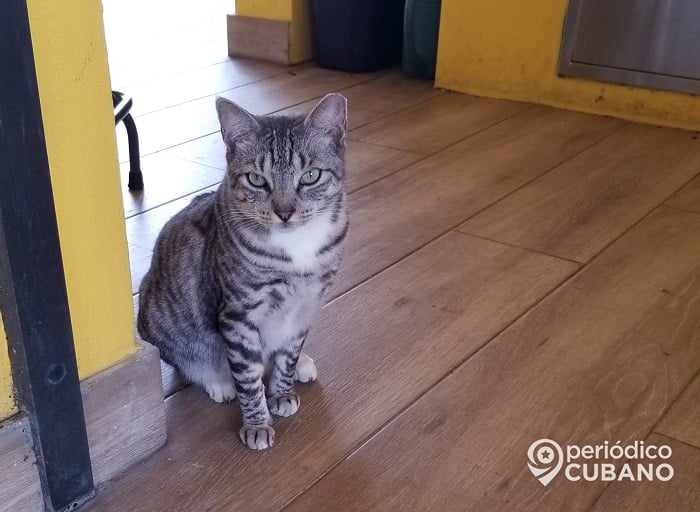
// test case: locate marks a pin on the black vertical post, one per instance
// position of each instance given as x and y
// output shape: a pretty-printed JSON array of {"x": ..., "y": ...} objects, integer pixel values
[{"x": 33, "y": 296}]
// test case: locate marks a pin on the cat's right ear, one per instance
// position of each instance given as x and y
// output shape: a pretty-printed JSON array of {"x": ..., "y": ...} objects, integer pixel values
[{"x": 236, "y": 122}]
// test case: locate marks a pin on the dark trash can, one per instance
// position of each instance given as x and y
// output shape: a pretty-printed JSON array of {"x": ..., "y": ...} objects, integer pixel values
[{"x": 358, "y": 35}]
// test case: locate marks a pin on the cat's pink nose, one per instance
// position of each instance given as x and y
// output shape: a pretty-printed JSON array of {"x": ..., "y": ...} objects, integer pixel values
[{"x": 285, "y": 215}]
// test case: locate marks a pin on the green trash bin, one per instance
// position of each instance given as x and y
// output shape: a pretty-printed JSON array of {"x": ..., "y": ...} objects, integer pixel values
[{"x": 421, "y": 26}]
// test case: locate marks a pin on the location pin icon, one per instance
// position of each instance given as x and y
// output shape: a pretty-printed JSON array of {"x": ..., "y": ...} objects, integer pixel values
[{"x": 545, "y": 459}]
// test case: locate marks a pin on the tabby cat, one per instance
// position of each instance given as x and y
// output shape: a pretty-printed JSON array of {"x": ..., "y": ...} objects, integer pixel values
[{"x": 238, "y": 276}]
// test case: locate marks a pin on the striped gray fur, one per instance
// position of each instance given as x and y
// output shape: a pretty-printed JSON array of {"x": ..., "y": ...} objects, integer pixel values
[{"x": 238, "y": 276}]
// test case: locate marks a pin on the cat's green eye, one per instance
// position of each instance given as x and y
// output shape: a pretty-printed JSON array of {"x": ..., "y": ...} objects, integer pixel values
[
  {"x": 310, "y": 177},
  {"x": 256, "y": 180}
]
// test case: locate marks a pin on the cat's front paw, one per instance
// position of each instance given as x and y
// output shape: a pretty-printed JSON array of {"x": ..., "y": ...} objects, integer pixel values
[
  {"x": 284, "y": 405},
  {"x": 306, "y": 369},
  {"x": 257, "y": 437}
]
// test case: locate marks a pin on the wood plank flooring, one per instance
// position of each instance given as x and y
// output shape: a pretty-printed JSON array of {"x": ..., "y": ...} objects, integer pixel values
[
  {"x": 416, "y": 129},
  {"x": 374, "y": 99},
  {"x": 584, "y": 363},
  {"x": 579, "y": 208},
  {"x": 361, "y": 391},
  {"x": 193, "y": 119},
  {"x": 688, "y": 197},
  {"x": 681, "y": 493},
  {"x": 513, "y": 272},
  {"x": 682, "y": 419},
  {"x": 172, "y": 177}
]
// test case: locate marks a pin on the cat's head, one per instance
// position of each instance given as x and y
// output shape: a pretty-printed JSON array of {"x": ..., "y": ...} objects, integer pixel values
[{"x": 284, "y": 171}]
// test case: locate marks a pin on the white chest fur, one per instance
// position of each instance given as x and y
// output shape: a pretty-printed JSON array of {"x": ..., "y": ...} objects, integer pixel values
[{"x": 303, "y": 243}]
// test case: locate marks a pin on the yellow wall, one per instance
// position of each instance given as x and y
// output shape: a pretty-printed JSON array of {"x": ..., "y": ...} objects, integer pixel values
[
  {"x": 74, "y": 87},
  {"x": 509, "y": 49},
  {"x": 269, "y": 9},
  {"x": 300, "y": 39},
  {"x": 7, "y": 401}
]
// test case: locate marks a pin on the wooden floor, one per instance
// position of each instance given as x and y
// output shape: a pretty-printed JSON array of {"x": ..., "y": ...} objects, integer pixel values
[{"x": 513, "y": 272}]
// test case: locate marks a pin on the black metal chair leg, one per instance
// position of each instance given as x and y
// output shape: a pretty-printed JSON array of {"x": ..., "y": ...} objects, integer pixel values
[
  {"x": 122, "y": 106},
  {"x": 135, "y": 175}
]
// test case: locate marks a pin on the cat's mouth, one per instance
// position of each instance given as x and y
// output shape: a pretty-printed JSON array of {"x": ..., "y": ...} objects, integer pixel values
[
  {"x": 286, "y": 227},
  {"x": 292, "y": 223},
  {"x": 289, "y": 223}
]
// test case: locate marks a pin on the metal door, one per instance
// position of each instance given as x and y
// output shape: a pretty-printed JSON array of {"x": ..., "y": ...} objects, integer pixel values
[{"x": 646, "y": 43}]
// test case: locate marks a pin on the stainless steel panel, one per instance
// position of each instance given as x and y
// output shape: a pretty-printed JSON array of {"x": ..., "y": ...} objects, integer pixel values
[{"x": 647, "y": 43}]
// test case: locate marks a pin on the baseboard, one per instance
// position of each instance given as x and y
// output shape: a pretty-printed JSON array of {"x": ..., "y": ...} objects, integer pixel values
[
  {"x": 125, "y": 419},
  {"x": 124, "y": 413},
  {"x": 20, "y": 488},
  {"x": 259, "y": 38}
]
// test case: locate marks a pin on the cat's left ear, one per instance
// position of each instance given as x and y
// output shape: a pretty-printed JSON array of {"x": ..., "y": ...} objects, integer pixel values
[{"x": 330, "y": 116}]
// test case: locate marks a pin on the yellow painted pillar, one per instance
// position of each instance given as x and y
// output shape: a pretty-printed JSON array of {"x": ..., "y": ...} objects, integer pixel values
[
  {"x": 76, "y": 106},
  {"x": 275, "y": 30},
  {"x": 7, "y": 399},
  {"x": 267, "y": 9}
]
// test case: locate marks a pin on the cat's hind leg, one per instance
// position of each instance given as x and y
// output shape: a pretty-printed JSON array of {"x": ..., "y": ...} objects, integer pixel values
[
  {"x": 210, "y": 369},
  {"x": 306, "y": 369},
  {"x": 217, "y": 382},
  {"x": 220, "y": 387}
]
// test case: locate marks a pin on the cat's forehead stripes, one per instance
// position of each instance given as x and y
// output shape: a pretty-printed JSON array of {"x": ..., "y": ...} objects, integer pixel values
[
  {"x": 260, "y": 163},
  {"x": 297, "y": 161},
  {"x": 279, "y": 152}
]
